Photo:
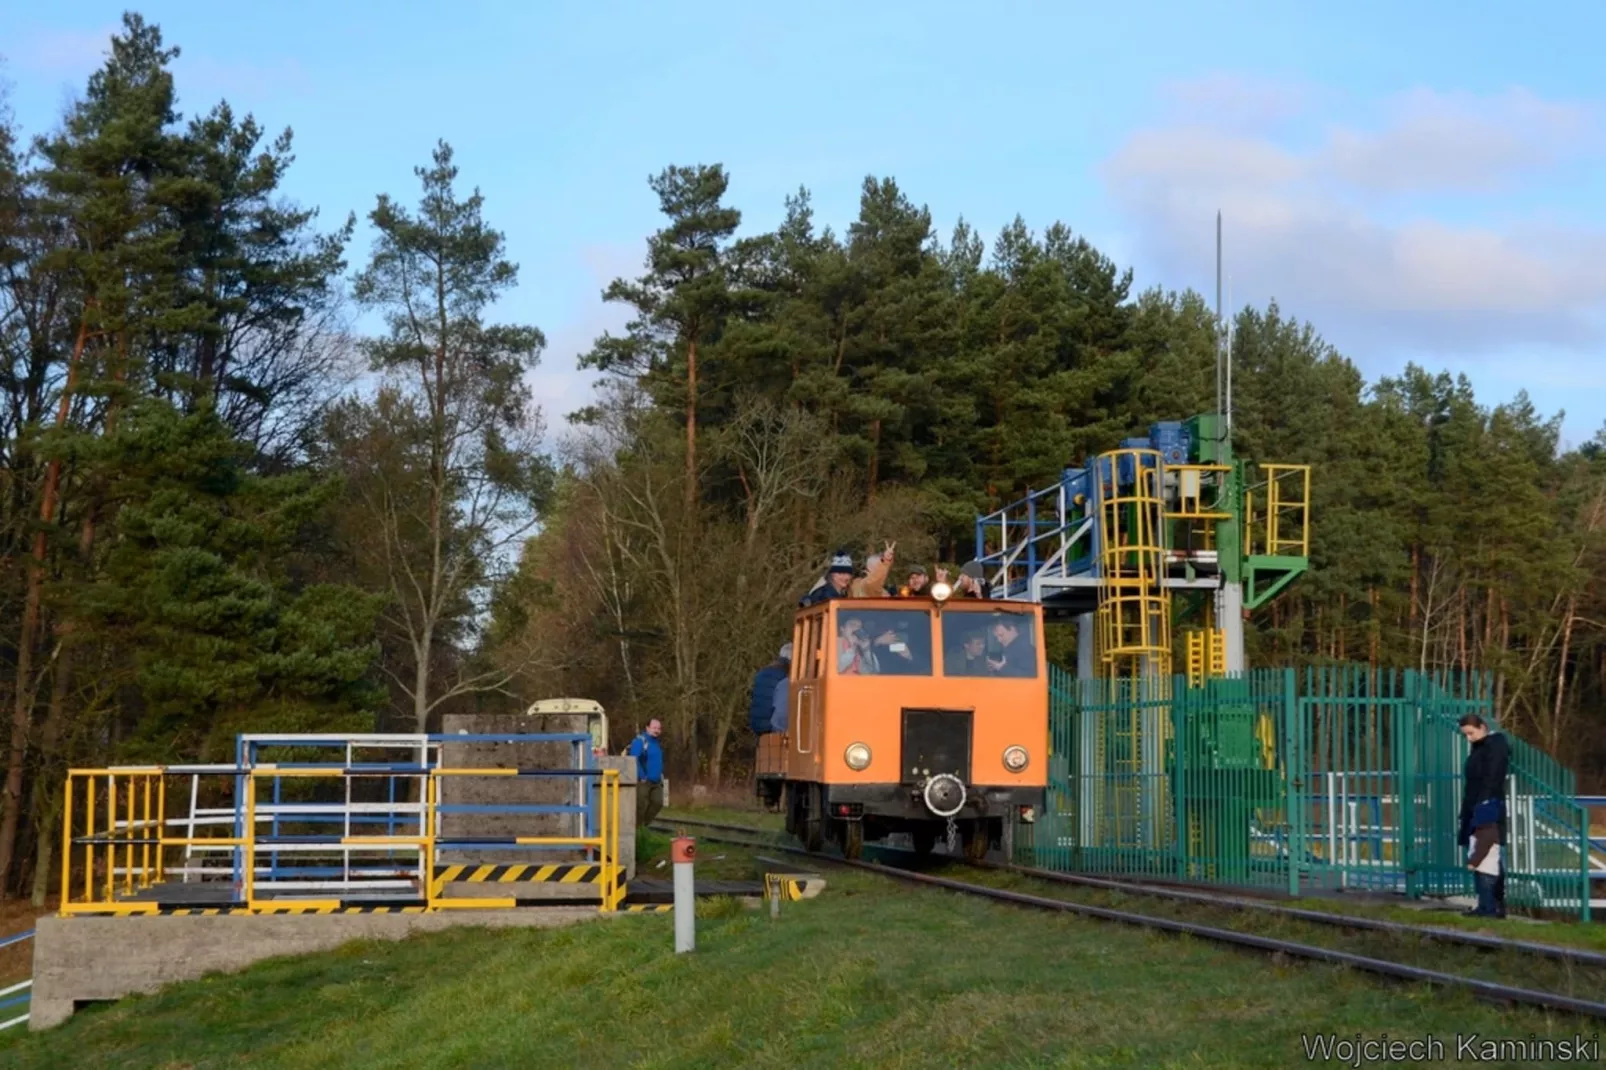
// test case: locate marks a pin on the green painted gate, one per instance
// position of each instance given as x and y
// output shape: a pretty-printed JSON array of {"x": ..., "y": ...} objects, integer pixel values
[{"x": 1340, "y": 778}]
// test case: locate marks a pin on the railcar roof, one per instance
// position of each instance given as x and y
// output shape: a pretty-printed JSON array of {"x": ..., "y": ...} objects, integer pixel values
[{"x": 973, "y": 605}]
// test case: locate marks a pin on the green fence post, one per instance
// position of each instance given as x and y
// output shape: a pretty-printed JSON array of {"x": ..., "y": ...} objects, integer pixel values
[
  {"x": 1583, "y": 860},
  {"x": 1410, "y": 718},
  {"x": 1179, "y": 777},
  {"x": 1292, "y": 778}
]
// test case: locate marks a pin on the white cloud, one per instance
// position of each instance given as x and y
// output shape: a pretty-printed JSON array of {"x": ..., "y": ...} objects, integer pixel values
[
  {"x": 1324, "y": 226},
  {"x": 1438, "y": 142},
  {"x": 560, "y": 386}
]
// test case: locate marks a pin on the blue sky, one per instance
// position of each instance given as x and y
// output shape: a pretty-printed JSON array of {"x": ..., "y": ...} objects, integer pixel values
[{"x": 1421, "y": 180}]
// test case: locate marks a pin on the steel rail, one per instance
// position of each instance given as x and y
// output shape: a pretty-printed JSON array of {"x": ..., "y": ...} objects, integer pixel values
[
  {"x": 1488, "y": 990},
  {"x": 1575, "y": 955}
]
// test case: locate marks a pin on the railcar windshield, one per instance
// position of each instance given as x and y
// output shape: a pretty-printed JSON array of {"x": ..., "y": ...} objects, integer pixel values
[
  {"x": 989, "y": 644},
  {"x": 883, "y": 642}
]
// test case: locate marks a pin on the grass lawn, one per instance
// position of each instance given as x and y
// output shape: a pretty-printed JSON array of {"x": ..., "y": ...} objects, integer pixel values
[
  {"x": 871, "y": 974},
  {"x": 1590, "y": 935}
]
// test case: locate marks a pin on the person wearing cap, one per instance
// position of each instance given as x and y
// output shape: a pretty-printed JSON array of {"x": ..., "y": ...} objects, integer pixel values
[
  {"x": 840, "y": 581},
  {"x": 916, "y": 586},
  {"x": 769, "y": 687},
  {"x": 970, "y": 583},
  {"x": 838, "y": 577}
]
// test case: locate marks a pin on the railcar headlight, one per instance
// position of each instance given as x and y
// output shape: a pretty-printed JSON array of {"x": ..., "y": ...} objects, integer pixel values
[
  {"x": 1015, "y": 759},
  {"x": 857, "y": 756},
  {"x": 941, "y": 592}
]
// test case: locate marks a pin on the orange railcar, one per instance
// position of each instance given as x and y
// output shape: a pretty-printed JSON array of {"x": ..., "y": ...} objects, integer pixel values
[{"x": 904, "y": 716}]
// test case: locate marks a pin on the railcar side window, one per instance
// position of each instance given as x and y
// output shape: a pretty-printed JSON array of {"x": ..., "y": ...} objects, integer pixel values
[
  {"x": 883, "y": 642},
  {"x": 812, "y": 659},
  {"x": 989, "y": 644}
]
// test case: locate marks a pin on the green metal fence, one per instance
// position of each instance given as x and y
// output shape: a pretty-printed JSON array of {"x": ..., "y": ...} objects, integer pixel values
[{"x": 1341, "y": 778}]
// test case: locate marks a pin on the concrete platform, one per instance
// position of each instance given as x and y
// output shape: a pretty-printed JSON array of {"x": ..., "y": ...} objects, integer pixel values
[{"x": 83, "y": 960}]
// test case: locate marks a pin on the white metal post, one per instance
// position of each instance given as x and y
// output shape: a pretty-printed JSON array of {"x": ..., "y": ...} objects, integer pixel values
[{"x": 682, "y": 850}]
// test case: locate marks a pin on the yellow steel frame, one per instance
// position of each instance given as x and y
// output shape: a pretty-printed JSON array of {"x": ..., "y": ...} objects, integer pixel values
[
  {"x": 139, "y": 794},
  {"x": 1283, "y": 528},
  {"x": 1207, "y": 655},
  {"x": 1134, "y": 614},
  {"x": 135, "y": 801},
  {"x": 1192, "y": 482}
]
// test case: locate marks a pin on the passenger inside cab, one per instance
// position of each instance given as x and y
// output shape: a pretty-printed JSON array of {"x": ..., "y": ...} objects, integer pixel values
[
  {"x": 884, "y": 642},
  {"x": 988, "y": 644},
  {"x": 1014, "y": 657}
]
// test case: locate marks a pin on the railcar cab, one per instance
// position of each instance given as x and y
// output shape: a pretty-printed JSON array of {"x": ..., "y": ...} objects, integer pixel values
[{"x": 911, "y": 716}]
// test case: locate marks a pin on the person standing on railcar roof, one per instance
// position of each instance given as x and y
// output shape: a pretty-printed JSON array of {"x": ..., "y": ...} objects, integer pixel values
[
  {"x": 916, "y": 586},
  {"x": 1488, "y": 764},
  {"x": 649, "y": 755},
  {"x": 840, "y": 582}
]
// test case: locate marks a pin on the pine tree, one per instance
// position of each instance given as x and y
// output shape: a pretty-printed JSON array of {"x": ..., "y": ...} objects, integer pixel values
[{"x": 443, "y": 462}]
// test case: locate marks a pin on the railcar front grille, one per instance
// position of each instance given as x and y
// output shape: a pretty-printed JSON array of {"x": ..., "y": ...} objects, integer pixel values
[{"x": 935, "y": 741}]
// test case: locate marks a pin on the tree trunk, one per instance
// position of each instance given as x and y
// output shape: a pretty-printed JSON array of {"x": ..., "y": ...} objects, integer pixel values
[
  {"x": 1416, "y": 573},
  {"x": 421, "y": 651},
  {"x": 875, "y": 457},
  {"x": 691, "y": 433},
  {"x": 1552, "y": 730},
  {"x": 22, "y": 709},
  {"x": 47, "y": 782},
  {"x": 49, "y": 817},
  {"x": 721, "y": 737}
]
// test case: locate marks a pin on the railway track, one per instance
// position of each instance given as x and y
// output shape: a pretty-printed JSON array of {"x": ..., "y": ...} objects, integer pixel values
[{"x": 1488, "y": 990}]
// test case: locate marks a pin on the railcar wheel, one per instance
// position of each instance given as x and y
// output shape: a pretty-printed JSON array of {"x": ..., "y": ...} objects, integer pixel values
[
  {"x": 793, "y": 804},
  {"x": 975, "y": 839},
  {"x": 925, "y": 838},
  {"x": 814, "y": 819},
  {"x": 852, "y": 839}
]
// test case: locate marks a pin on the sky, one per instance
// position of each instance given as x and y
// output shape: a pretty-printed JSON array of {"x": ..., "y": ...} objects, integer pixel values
[{"x": 1421, "y": 181}]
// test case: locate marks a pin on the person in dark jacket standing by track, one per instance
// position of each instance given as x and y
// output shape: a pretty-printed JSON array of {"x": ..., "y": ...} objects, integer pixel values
[
  {"x": 649, "y": 755},
  {"x": 766, "y": 704},
  {"x": 1485, "y": 773}
]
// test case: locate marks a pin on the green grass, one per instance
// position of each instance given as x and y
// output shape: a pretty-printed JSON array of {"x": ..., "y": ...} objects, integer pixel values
[
  {"x": 725, "y": 815},
  {"x": 1590, "y": 935},
  {"x": 871, "y": 974}
]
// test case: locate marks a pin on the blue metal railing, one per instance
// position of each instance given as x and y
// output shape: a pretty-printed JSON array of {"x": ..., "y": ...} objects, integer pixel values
[
  {"x": 17, "y": 995},
  {"x": 1040, "y": 532}
]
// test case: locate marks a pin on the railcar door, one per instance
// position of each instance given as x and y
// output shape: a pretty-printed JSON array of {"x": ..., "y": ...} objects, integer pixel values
[{"x": 807, "y": 699}]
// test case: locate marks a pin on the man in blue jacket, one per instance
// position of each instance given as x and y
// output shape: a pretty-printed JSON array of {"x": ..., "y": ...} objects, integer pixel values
[
  {"x": 649, "y": 755},
  {"x": 761, "y": 702}
]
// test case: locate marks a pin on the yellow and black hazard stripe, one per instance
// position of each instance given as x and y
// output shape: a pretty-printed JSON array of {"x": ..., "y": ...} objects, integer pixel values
[
  {"x": 648, "y": 908},
  {"x": 358, "y": 908},
  {"x": 261, "y": 908},
  {"x": 561, "y": 873},
  {"x": 795, "y": 886}
]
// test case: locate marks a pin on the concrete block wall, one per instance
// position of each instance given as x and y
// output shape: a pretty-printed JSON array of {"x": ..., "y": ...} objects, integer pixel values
[{"x": 81, "y": 960}]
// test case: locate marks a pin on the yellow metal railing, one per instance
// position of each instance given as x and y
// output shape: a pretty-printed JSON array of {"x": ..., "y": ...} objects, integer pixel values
[
  {"x": 115, "y": 840},
  {"x": 119, "y": 849},
  {"x": 1281, "y": 526}
]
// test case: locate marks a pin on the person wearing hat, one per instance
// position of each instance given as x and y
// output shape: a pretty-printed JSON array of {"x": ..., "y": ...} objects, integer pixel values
[
  {"x": 767, "y": 703},
  {"x": 838, "y": 576},
  {"x": 840, "y": 581},
  {"x": 917, "y": 585},
  {"x": 970, "y": 584}
]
